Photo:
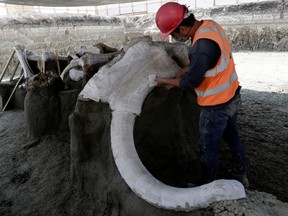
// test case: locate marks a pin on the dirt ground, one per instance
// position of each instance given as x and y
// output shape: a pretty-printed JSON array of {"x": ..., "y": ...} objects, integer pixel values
[
  {"x": 35, "y": 174},
  {"x": 263, "y": 119}
]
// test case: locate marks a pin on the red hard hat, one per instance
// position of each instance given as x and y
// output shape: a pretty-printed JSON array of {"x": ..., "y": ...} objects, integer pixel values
[{"x": 168, "y": 17}]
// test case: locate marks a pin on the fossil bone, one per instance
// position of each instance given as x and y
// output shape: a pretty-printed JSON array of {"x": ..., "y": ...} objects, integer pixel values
[
  {"x": 88, "y": 60},
  {"x": 124, "y": 86},
  {"x": 24, "y": 55}
]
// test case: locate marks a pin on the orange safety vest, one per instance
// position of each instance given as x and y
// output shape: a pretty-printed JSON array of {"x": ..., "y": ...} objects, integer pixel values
[{"x": 219, "y": 83}]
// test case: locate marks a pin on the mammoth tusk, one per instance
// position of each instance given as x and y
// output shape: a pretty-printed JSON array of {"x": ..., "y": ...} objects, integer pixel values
[
  {"x": 152, "y": 190},
  {"x": 124, "y": 86}
]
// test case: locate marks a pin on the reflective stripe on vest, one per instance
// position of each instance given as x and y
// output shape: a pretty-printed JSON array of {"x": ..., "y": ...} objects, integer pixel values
[
  {"x": 224, "y": 62},
  {"x": 218, "y": 88},
  {"x": 219, "y": 83}
]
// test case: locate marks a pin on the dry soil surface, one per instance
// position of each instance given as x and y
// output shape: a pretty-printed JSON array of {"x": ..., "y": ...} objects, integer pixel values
[{"x": 35, "y": 174}]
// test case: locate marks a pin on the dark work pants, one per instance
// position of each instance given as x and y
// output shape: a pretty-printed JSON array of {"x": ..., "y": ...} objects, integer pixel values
[{"x": 215, "y": 124}]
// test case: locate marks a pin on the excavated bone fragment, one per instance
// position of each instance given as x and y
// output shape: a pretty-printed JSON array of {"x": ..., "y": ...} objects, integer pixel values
[
  {"x": 46, "y": 56},
  {"x": 177, "y": 51},
  {"x": 84, "y": 50},
  {"x": 124, "y": 86},
  {"x": 103, "y": 48},
  {"x": 75, "y": 74},
  {"x": 89, "y": 61},
  {"x": 22, "y": 56}
]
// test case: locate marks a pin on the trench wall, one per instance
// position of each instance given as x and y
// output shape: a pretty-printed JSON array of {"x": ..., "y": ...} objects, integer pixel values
[{"x": 254, "y": 26}]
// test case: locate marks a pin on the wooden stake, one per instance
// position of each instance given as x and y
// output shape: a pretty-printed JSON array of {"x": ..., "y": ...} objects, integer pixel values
[
  {"x": 11, "y": 78},
  {"x": 7, "y": 64},
  {"x": 43, "y": 66},
  {"x": 13, "y": 92},
  {"x": 58, "y": 65}
]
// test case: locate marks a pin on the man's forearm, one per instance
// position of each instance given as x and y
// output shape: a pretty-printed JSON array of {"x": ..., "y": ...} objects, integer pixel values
[{"x": 171, "y": 82}]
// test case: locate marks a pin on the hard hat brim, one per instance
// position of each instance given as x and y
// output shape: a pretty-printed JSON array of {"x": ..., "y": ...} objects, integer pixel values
[{"x": 163, "y": 36}]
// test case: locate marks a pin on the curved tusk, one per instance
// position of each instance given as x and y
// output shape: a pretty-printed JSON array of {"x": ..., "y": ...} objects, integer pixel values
[
  {"x": 124, "y": 86},
  {"x": 152, "y": 190}
]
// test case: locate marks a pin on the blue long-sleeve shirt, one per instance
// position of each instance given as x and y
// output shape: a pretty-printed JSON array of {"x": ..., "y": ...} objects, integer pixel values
[{"x": 203, "y": 56}]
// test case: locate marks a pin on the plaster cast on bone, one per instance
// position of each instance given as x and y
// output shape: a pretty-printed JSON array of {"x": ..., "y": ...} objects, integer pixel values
[
  {"x": 84, "y": 50},
  {"x": 22, "y": 57},
  {"x": 88, "y": 59},
  {"x": 124, "y": 86},
  {"x": 76, "y": 74},
  {"x": 152, "y": 190},
  {"x": 151, "y": 79}
]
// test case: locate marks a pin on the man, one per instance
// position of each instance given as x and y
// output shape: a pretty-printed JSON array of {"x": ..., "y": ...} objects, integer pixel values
[{"x": 211, "y": 74}]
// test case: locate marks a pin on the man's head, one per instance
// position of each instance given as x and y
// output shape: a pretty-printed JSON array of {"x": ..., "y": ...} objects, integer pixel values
[{"x": 175, "y": 19}]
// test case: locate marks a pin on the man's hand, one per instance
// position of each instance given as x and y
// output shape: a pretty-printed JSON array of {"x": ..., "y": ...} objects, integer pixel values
[
  {"x": 167, "y": 83},
  {"x": 180, "y": 73},
  {"x": 161, "y": 81}
]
